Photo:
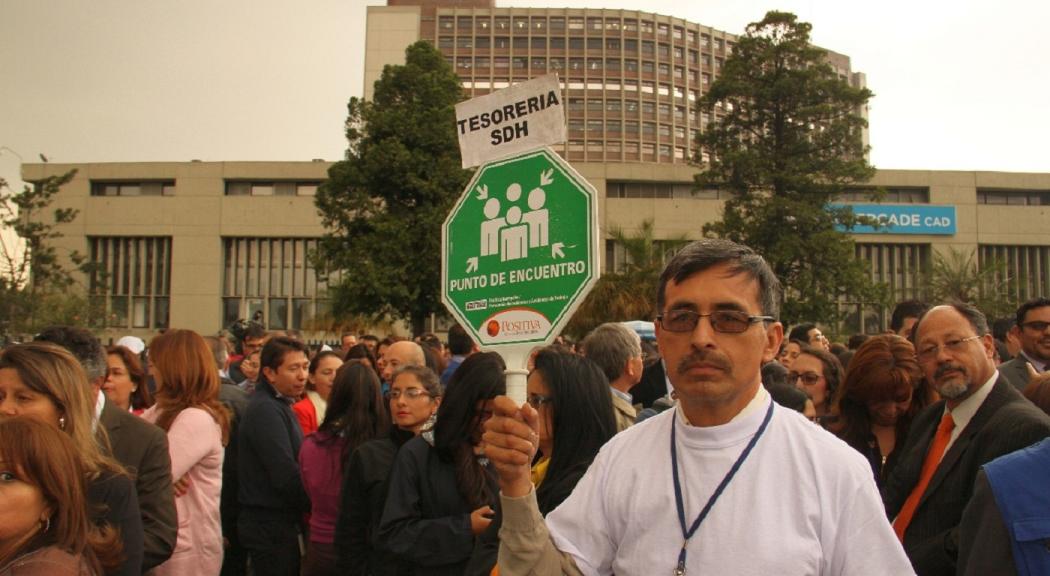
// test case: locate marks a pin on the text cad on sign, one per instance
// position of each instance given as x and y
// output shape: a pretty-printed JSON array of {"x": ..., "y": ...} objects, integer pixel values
[{"x": 519, "y": 248}]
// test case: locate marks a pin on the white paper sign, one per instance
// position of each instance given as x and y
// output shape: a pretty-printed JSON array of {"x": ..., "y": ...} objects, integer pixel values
[{"x": 519, "y": 118}]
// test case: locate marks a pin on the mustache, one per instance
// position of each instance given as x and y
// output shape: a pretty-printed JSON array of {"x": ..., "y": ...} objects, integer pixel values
[
  {"x": 942, "y": 368},
  {"x": 704, "y": 356}
]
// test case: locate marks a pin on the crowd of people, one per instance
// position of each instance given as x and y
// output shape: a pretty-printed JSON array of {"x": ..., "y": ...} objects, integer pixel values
[{"x": 723, "y": 447}]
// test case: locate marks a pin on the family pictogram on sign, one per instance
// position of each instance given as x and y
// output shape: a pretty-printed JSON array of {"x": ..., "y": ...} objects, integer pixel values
[{"x": 512, "y": 233}]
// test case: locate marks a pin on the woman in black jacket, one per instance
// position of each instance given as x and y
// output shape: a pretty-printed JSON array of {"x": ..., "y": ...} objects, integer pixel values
[
  {"x": 415, "y": 396},
  {"x": 574, "y": 402},
  {"x": 442, "y": 491}
]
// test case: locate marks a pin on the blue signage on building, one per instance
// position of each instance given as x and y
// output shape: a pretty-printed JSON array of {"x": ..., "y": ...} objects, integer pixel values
[{"x": 905, "y": 219}]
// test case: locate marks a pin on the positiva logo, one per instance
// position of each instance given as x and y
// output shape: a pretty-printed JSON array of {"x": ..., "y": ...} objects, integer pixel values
[{"x": 514, "y": 324}]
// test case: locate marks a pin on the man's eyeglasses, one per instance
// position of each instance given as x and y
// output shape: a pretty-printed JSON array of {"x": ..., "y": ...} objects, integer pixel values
[
  {"x": 1037, "y": 325},
  {"x": 537, "y": 400},
  {"x": 808, "y": 378},
  {"x": 930, "y": 352},
  {"x": 726, "y": 321},
  {"x": 411, "y": 393}
]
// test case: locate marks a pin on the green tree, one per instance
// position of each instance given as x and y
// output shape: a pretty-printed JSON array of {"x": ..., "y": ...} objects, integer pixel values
[
  {"x": 786, "y": 139},
  {"x": 35, "y": 285},
  {"x": 627, "y": 293},
  {"x": 384, "y": 204}
]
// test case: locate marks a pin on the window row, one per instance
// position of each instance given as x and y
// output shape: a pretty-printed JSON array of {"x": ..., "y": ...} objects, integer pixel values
[
  {"x": 595, "y": 107},
  {"x": 608, "y": 45},
  {"x": 1014, "y": 197},
  {"x": 274, "y": 281},
  {"x": 1024, "y": 270},
  {"x": 131, "y": 283},
  {"x": 626, "y": 86},
  {"x": 561, "y": 24},
  {"x": 133, "y": 188},
  {"x": 889, "y": 195},
  {"x": 661, "y": 190},
  {"x": 466, "y": 63},
  {"x": 627, "y": 127},
  {"x": 271, "y": 188},
  {"x": 613, "y": 149}
]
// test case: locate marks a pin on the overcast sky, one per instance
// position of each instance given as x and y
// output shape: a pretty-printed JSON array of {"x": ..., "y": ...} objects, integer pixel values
[{"x": 958, "y": 85}]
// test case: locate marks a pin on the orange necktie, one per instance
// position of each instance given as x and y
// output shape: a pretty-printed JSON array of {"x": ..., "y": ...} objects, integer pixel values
[{"x": 929, "y": 466}]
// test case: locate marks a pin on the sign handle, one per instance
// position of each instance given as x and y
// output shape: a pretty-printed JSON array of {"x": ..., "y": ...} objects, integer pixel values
[{"x": 516, "y": 358}]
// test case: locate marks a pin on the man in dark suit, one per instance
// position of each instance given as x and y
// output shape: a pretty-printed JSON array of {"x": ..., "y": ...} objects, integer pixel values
[
  {"x": 1032, "y": 330},
  {"x": 139, "y": 446},
  {"x": 981, "y": 417}
]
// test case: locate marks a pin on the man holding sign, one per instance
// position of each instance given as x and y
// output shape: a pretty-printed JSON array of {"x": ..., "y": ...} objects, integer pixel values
[{"x": 726, "y": 483}]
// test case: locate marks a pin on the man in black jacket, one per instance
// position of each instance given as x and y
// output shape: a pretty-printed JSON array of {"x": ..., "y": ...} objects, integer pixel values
[
  {"x": 981, "y": 418},
  {"x": 271, "y": 492}
]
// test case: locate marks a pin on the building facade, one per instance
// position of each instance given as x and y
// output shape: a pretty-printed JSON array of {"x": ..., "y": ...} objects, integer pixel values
[{"x": 200, "y": 245}]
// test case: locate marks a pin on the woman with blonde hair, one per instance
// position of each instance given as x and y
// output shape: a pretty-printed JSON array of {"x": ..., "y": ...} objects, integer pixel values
[
  {"x": 45, "y": 528},
  {"x": 43, "y": 381},
  {"x": 188, "y": 409}
]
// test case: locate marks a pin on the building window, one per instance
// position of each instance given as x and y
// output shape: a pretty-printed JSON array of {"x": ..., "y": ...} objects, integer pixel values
[
  {"x": 272, "y": 188},
  {"x": 1013, "y": 197},
  {"x": 132, "y": 283},
  {"x": 137, "y": 188},
  {"x": 890, "y": 195},
  {"x": 271, "y": 280},
  {"x": 899, "y": 267},
  {"x": 1026, "y": 269}
]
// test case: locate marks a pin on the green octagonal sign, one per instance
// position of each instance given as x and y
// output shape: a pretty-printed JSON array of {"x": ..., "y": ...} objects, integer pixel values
[{"x": 520, "y": 249}]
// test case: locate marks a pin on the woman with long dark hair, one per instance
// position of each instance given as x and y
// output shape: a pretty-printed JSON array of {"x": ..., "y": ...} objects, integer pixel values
[
  {"x": 441, "y": 489},
  {"x": 354, "y": 415},
  {"x": 881, "y": 394},
  {"x": 198, "y": 427},
  {"x": 415, "y": 395},
  {"x": 572, "y": 398}
]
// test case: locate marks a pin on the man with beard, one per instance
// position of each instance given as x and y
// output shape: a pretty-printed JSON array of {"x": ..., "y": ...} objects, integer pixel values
[
  {"x": 981, "y": 417},
  {"x": 700, "y": 488}
]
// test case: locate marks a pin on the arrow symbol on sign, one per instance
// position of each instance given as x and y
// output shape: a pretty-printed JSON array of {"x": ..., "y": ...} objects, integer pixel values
[
  {"x": 546, "y": 177},
  {"x": 472, "y": 264},
  {"x": 556, "y": 250},
  {"x": 483, "y": 191}
]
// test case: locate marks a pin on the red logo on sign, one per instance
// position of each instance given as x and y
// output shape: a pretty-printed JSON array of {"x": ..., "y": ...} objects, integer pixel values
[{"x": 493, "y": 328}]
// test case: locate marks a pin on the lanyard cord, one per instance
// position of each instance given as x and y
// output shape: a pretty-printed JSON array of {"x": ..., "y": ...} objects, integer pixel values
[{"x": 688, "y": 533}]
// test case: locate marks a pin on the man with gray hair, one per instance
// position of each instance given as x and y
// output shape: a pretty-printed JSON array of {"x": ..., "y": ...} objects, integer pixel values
[
  {"x": 617, "y": 350},
  {"x": 721, "y": 457},
  {"x": 139, "y": 446}
]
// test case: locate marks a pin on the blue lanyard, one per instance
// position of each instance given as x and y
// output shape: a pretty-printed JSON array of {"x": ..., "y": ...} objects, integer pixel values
[{"x": 688, "y": 533}]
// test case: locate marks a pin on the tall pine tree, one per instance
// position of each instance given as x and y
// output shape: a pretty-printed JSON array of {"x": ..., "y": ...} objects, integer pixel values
[
  {"x": 383, "y": 205},
  {"x": 788, "y": 140}
]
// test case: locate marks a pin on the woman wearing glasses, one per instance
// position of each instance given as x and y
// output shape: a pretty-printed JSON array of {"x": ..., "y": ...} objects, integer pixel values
[
  {"x": 880, "y": 395},
  {"x": 354, "y": 415},
  {"x": 574, "y": 404},
  {"x": 817, "y": 372},
  {"x": 415, "y": 396},
  {"x": 442, "y": 489}
]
